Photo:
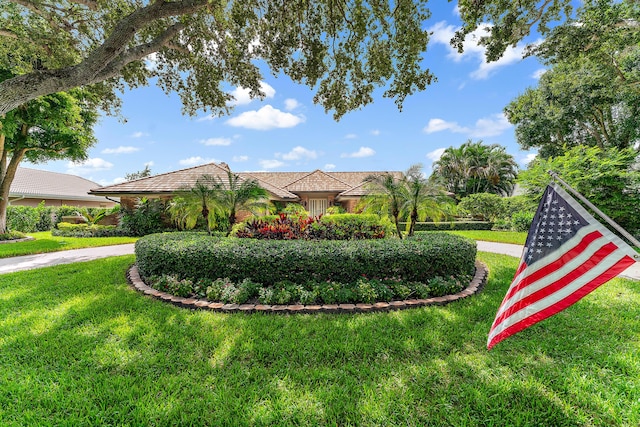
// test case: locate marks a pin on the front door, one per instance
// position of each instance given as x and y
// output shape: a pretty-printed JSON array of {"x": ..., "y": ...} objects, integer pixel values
[{"x": 317, "y": 207}]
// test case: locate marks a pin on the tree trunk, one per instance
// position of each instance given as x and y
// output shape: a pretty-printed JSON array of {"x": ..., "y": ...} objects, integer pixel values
[
  {"x": 232, "y": 221},
  {"x": 205, "y": 215},
  {"x": 395, "y": 219},
  {"x": 414, "y": 219},
  {"x": 5, "y": 184}
]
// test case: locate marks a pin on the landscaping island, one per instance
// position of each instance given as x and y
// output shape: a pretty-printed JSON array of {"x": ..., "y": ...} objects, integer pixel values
[{"x": 311, "y": 275}]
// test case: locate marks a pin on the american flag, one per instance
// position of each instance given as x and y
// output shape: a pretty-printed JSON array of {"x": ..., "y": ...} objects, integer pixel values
[{"x": 568, "y": 254}]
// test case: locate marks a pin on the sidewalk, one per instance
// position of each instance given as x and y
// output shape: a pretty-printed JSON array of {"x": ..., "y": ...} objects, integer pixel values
[{"x": 28, "y": 262}]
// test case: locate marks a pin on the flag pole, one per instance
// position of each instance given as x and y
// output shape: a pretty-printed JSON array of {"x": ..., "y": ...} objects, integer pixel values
[{"x": 611, "y": 222}]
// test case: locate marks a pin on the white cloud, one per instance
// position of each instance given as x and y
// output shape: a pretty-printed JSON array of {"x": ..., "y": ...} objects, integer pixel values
[
  {"x": 329, "y": 167},
  {"x": 538, "y": 73},
  {"x": 493, "y": 125},
  {"x": 442, "y": 34},
  {"x": 120, "y": 150},
  {"x": 138, "y": 134},
  {"x": 435, "y": 154},
  {"x": 149, "y": 163},
  {"x": 375, "y": 132},
  {"x": 298, "y": 153},
  {"x": 362, "y": 152},
  {"x": 240, "y": 158},
  {"x": 216, "y": 141},
  {"x": 151, "y": 61},
  {"x": 104, "y": 182},
  {"x": 242, "y": 95},
  {"x": 291, "y": 104},
  {"x": 197, "y": 160},
  {"x": 439, "y": 125},
  {"x": 88, "y": 166},
  {"x": 271, "y": 164},
  {"x": 528, "y": 158},
  {"x": 350, "y": 136},
  {"x": 266, "y": 118}
]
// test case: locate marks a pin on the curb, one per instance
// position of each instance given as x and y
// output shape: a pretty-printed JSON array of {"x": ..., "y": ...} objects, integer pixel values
[{"x": 476, "y": 285}]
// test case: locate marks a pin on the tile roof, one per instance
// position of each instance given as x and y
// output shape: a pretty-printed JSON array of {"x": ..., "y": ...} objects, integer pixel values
[
  {"x": 281, "y": 184},
  {"x": 36, "y": 184},
  {"x": 317, "y": 181},
  {"x": 170, "y": 182}
]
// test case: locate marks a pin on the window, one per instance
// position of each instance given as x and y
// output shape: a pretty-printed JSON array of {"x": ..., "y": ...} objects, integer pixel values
[{"x": 317, "y": 207}]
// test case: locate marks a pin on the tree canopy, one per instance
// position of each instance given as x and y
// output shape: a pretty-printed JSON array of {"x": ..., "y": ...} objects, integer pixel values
[
  {"x": 476, "y": 168},
  {"x": 344, "y": 50},
  {"x": 591, "y": 94},
  {"x": 51, "y": 127},
  {"x": 608, "y": 178}
]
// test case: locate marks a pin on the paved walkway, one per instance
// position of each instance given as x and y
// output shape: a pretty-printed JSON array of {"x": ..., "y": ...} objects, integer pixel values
[{"x": 28, "y": 262}]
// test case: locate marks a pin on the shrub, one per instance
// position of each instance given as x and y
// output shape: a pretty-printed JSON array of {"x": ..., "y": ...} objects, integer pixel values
[
  {"x": 521, "y": 221},
  {"x": 335, "y": 210},
  {"x": 454, "y": 225},
  {"x": 46, "y": 216},
  {"x": 295, "y": 209},
  {"x": 485, "y": 206},
  {"x": 11, "y": 235},
  {"x": 332, "y": 227},
  {"x": 146, "y": 218},
  {"x": 22, "y": 218},
  {"x": 65, "y": 210},
  {"x": 197, "y": 256},
  {"x": 66, "y": 229}
]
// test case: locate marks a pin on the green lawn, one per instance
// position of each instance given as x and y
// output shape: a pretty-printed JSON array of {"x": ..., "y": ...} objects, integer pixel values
[
  {"x": 515, "y": 237},
  {"x": 78, "y": 347},
  {"x": 45, "y": 242}
]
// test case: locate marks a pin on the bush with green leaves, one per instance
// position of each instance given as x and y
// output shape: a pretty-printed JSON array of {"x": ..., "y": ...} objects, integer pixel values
[
  {"x": 452, "y": 225},
  {"x": 66, "y": 229},
  {"x": 22, "y": 218},
  {"x": 364, "y": 290},
  {"x": 198, "y": 256},
  {"x": 146, "y": 217},
  {"x": 521, "y": 221},
  {"x": 12, "y": 235},
  {"x": 483, "y": 206}
]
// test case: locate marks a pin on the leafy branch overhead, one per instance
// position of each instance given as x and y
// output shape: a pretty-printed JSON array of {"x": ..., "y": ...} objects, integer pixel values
[{"x": 343, "y": 49}]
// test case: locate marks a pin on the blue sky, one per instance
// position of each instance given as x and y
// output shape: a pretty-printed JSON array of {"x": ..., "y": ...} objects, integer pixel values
[{"x": 287, "y": 132}]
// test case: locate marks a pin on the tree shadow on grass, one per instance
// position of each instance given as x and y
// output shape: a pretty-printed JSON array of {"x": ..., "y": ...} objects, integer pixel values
[{"x": 86, "y": 350}]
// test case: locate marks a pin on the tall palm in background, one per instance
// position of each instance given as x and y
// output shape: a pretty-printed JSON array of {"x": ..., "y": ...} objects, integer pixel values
[{"x": 476, "y": 168}]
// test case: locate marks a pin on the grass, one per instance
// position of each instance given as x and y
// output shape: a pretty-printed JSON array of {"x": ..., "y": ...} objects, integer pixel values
[
  {"x": 45, "y": 242},
  {"x": 514, "y": 237},
  {"x": 78, "y": 347}
]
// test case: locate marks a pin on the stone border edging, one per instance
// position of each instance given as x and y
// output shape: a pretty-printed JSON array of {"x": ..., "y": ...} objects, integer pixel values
[
  {"x": 475, "y": 286},
  {"x": 24, "y": 239}
]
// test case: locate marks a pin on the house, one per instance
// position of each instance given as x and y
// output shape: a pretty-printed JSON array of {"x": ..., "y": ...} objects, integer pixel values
[
  {"x": 32, "y": 186},
  {"x": 316, "y": 190}
]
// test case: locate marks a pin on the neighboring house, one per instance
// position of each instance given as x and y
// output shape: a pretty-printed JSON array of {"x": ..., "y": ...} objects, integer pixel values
[
  {"x": 316, "y": 190},
  {"x": 32, "y": 186}
]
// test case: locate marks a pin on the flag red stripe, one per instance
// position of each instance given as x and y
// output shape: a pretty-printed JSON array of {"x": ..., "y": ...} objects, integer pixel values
[
  {"x": 555, "y": 265},
  {"x": 552, "y": 287},
  {"x": 620, "y": 266},
  {"x": 521, "y": 268}
]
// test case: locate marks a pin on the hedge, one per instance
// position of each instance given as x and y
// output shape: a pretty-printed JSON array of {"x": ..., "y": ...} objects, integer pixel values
[
  {"x": 66, "y": 229},
  {"x": 198, "y": 256},
  {"x": 453, "y": 225}
]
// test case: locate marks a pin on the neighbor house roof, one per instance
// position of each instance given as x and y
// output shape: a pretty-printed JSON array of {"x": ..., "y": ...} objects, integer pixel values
[
  {"x": 283, "y": 185},
  {"x": 40, "y": 184}
]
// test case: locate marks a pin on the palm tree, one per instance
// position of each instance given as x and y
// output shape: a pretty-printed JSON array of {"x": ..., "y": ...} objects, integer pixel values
[
  {"x": 476, "y": 168},
  {"x": 195, "y": 201},
  {"x": 385, "y": 195},
  {"x": 423, "y": 198},
  {"x": 237, "y": 194}
]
